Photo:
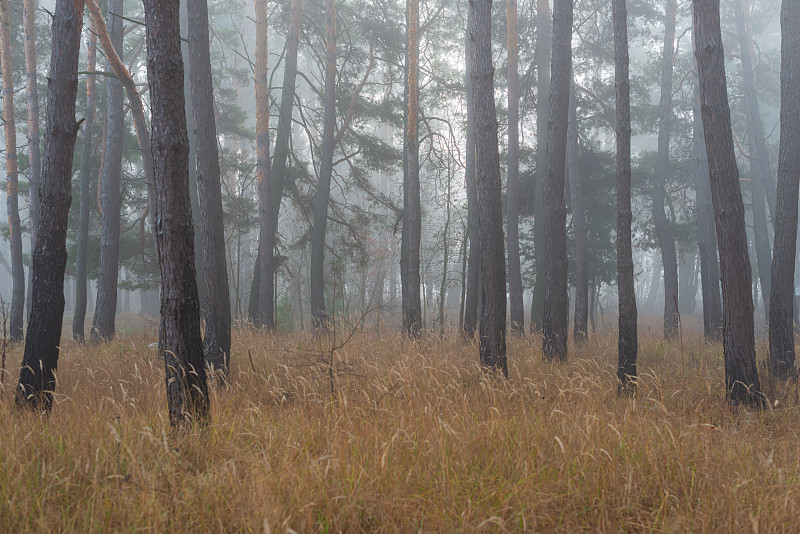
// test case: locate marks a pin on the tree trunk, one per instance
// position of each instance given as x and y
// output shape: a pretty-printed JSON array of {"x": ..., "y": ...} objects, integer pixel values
[
  {"x": 16, "y": 317},
  {"x": 512, "y": 188},
  {"x": 628, "y": 344},
  {"x": 32, "y": 91},
  {"x": 781, "y": 334},
  {"x": 269, "y": 210},
  {"x": 664, "y": 232},
  {"x": 445, "y": 252},
  {"x": 319, "y": 315},
  {"x": 741, "y": 376},
  {"x": 706, "y": 236},
  {"x": 412, "y": 223},
  {"x": 487, "y": 172},
  {"x": 179, "y": 339},
  {"x": 542, "y": 58},
  {"x": 473, "y": 281},
  {"x": 759, "y": 157},
  {"x": 760, "y": 224},
  {"x": 79, "y": 318},
  {"x": 106, "y": 308},
  {"x": 43, "y": 337},
  {"x": 578, "y": 223},
  {"x": 556, "y": 301},
  {"x": 217, "y": 341},
  {"x": 262, "y": 147}
]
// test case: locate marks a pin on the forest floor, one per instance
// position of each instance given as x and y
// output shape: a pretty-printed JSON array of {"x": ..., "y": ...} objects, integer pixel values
[{"x": 396, "y": 436}]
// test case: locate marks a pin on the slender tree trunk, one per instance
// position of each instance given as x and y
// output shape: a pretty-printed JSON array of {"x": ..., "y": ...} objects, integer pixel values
[
  {"x": 262, "y": 147},
  {"x": 759, "y": 158},
  {"x": 760, "y": 225},
  {"x": 514, "y": 268},
  {"x": 16, "y": 317},
  {"x": 319, "y": 315},
  {"x": 542, "y": 58},
  {"x": 179, "y": 339},
  {"x": 556, "y": 301},
  {"x": 217, "y": 341},
  {"x": 445, "y": 252},
  {"x": 270, "y": 210},
  {"x": 43, "y": 337},
  {"x": 32, "y": 91},
  {"x": 473, "y": 281},
  {"x": 487, "y": 172},
  {"x": 781, "y": 333},
  {"x": 666, "y": 238},
  {"x": 578, "y": 223},
  {"x": 741, "y": 376},
  {"x": 412, "y": 223},
  {"x": 79, "y": 318},
  {"x": 111, "y": 182},
  {"x": 628, "y": 344},
  {"x": 706, "y": 236}
]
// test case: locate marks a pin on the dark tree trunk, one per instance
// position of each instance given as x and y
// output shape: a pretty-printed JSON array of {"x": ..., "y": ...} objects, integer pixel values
[
  {"x": 106, "y": 308},
  {"x": 412, "y": 222},
  {"x": 543, "y": 53},
  {"x": 319, "y": 315},
  {"x": 217, "y": 341},
  {"x": 471, "y": 303},
  {"x": 781, "y": 334},
  {"x": 759, "y": 158},
  {"x": 262, "y": 145},
  {"x": 79, "y": 318},
  {"x": 270, "y": 208},
  {"x": 556, "y": 301},
  {"x": 487, "y": 172},
  {"x": 578, "y": 223},
  {"x": 16, "y": 317},
  {"x": 43, "y": 337},
  {"x": 512, "y": 188},
  {"x": 706, "y": 236},
  {"x": 666, "y": 238},
  {"x": 32, "y": 91},
  {"x": 179, "y": 339},
  {"x": 741, "y": 376},
  {"x": 628, "y": 344}
]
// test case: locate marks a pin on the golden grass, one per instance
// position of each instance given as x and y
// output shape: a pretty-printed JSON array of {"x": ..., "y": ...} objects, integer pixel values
[{"x": 415, "y": 438}]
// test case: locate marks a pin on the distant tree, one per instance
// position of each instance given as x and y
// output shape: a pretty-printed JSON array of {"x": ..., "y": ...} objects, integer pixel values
[
  {"x": 487, "y": 172},
  {"x": 580, "y": 321},
  {"x": 556, "y": 301},
  {"x": 262, "y": 147},
  {"x": 179, "y": 339},
  {"x": 666, "y": 237},
  {"x": 741, "y": 376},
  {"x": 781, "y": 332},
  {"x": 32, "y": 92},
  {"x": 43, "y": 337},
  {"x": 473, "y": 281},
  {"x": 627, "y": 342},
  {"x": 16, "y": 317},
  {"x": 513, "y": 188},
  {"x": 217, "y": 340},
  {"x": 103, "y": 325},
  {"x": 412, "y": 214}
]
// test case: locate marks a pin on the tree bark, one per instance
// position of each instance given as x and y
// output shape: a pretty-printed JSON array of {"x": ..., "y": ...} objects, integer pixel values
[
  {"x": 79, "y": 317},
  {"x": 580, "y": 321},
  {"x": 741, "y": 376},
  {"x": 16, "y": 317},
  {"x": 666, "y": 238},
  {"x": 512, "y": 187},
  {"x": 103, "y": 326},
  {"x": 319, "y": 315},
  {"x": 706, "y": 236},
  {"x": 472, "y": 298},
  {"x": 217, "y": 340},
  {"x": 487, "y": 172},
  {"x": 542, "y": 58},
  {"x": 556, "y": 301},
  {"x": 262, "y": 146},
  {"x": 628, "y": 344},
  {"x": 43, "y": 337},
  {"x": 179, "y": 339},
  {"x": 32, "y": 92},
  {"x": 781, "y": 333}
]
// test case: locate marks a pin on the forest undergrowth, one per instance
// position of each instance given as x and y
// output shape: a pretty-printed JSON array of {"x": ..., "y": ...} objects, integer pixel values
[{"x": 384, "y": 435}]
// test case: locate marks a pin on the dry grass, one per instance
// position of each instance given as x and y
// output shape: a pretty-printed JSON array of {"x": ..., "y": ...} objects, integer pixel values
[{"x": 415, "y": 438}]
